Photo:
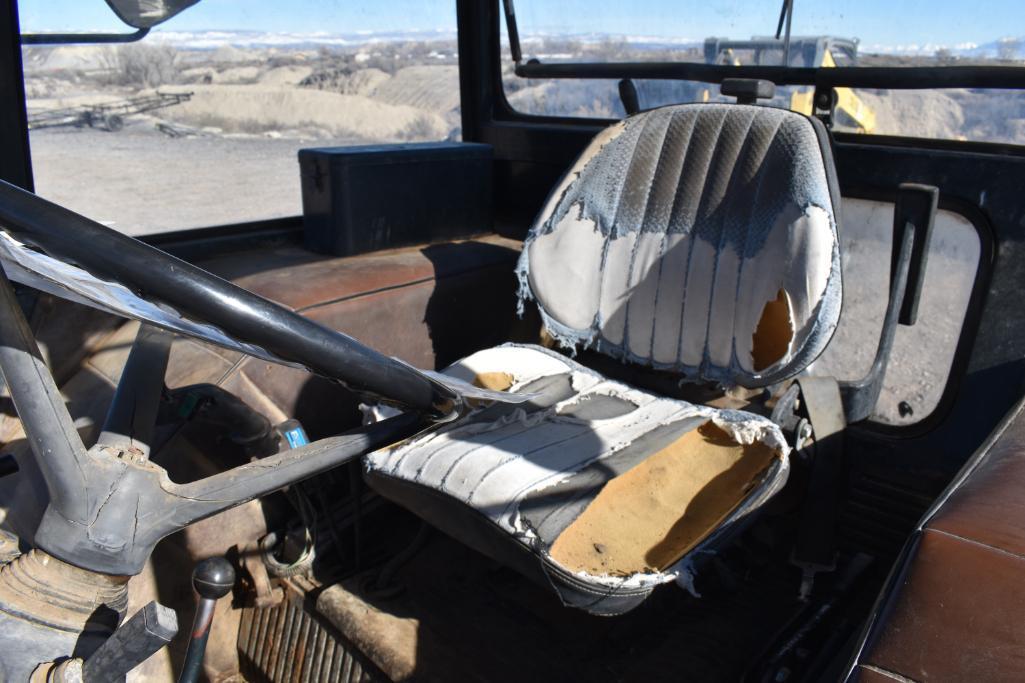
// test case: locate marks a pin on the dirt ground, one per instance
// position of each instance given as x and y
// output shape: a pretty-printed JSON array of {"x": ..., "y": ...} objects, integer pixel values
[{"x": 141, "y": 181}]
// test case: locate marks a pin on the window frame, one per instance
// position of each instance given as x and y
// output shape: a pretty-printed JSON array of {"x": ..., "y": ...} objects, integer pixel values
[
  {"x": 972, "y": 315},
  {"x": 487, "y": 114}
]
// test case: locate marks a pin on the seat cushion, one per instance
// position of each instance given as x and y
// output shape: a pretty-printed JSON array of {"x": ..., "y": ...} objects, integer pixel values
[
  {"x": 698, "y": 238},
  {"x": 595, "y": 488}
]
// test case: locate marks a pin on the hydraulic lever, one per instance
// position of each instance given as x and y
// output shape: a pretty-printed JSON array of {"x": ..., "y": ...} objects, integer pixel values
[
  {"x": 628, "y": 96},
  {"x": 150, "y": 629},
  {"x": 913, "y": 217},
  {"x": 212, "y": 579}
]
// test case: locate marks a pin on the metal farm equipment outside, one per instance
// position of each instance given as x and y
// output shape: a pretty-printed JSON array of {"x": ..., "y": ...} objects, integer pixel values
[{"x": 108, "y": 116}]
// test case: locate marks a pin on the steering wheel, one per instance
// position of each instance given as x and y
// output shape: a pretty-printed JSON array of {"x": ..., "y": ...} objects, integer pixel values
[{"x": 109, "y": 505}]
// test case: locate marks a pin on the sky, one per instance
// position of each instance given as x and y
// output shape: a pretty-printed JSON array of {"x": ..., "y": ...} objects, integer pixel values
[{"x": 875, "y": 22}]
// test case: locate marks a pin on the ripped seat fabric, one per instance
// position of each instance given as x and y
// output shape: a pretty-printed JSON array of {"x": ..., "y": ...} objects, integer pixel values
[
  {"x": 601, "y": 490},
  {"x": 699, "y": 240}
]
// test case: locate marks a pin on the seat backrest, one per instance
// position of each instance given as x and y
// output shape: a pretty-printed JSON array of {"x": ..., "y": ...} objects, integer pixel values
[{"x": 700, "y": 239}]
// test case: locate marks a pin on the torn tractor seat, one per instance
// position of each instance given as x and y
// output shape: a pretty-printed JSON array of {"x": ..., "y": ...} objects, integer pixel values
[
  {"x": 699, "y": 240},
  {"x": 598, "y": 489}
]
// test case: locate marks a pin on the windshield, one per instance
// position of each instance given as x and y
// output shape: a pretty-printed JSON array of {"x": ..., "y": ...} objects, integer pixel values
[
  {"x": 854, "y": 32},
  {"x": 826, "y": 34},
  {"x": 199, "y": 124}
]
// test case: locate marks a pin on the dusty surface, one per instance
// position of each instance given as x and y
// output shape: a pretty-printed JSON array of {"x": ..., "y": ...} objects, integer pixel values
[
  {"x": 389, "y": 641},
  {"x": 649, "y": 517}
]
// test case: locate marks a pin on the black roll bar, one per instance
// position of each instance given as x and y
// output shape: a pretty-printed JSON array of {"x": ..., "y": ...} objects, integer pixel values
[{"x": 883, "y": 77}]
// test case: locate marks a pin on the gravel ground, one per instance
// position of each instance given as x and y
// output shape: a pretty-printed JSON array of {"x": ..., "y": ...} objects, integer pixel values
[{"x": 142, "y": 181}]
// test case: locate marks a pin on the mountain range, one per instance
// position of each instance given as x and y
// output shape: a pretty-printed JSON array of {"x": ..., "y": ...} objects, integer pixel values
[{"x": 1008, "y": 47}]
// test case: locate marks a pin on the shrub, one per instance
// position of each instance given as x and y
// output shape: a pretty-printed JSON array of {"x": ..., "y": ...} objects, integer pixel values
[
  {"x": 420, "y": 128},
  {"x": 141, "y": 65}
]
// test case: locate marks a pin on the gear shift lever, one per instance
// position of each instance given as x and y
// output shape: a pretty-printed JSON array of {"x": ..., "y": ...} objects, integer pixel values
[{"x": 212, "y": 579}]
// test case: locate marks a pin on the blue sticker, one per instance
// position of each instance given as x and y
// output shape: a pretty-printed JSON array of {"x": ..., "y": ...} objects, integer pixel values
[{"x": 296, "y": 437}]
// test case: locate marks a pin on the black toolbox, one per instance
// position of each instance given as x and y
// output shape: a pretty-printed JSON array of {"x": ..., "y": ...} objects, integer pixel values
[{"x": 368, "y": 197}]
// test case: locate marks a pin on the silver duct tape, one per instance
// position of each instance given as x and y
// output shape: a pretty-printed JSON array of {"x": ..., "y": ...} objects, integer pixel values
[{"x": 43, "y": 272}]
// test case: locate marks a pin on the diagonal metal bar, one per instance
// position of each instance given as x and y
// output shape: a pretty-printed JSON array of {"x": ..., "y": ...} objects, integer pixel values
[
  {"x": 58, "y": 449},
  {"x": 246, "y": 482},
  {"x": 132, "y": 415}
]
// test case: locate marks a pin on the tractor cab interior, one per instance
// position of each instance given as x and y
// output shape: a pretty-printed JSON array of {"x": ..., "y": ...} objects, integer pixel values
[{"x": 566, "y": 398}]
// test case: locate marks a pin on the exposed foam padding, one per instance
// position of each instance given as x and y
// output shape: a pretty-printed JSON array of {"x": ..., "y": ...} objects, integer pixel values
[
  {"x": 527, "y": 472},
  {"x": 648, "y": 518},
  {"x": 775, "y": 332},
  {"x": 496, "y": 381}
]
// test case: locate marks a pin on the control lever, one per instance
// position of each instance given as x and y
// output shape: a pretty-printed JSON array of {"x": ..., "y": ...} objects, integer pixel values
[
  {"x": 628, "y": 96},
  {"x": 212, "y": 579},
  {"x": 915, "y": 209},
  {"x": 135, "y": 641},
  {"x": 149, "y": 629},
  {"x": 913, "y": 217}
]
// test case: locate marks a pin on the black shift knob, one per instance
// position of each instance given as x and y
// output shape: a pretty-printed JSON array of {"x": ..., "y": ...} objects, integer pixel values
[{"x": 213, "y": 578}]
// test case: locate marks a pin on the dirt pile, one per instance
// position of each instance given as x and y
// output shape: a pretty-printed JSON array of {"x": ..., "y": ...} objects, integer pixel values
[
  {"x": 259, "y": 108},
  {"x": 345, "y": 81},
  {"x": 926, "y": 113},
  {"x": 433, "y": 88}
]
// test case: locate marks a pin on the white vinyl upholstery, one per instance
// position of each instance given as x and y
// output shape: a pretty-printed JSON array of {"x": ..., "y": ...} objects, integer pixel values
[
  {"x": 492, "y": 463},
  {"x": 666, "y": 240}
]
